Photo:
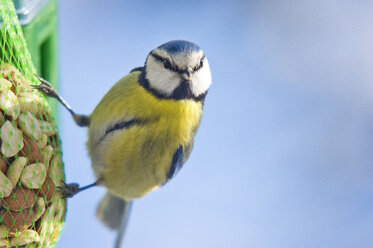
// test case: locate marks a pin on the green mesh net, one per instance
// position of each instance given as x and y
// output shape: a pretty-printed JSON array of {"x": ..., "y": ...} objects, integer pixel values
[{"x": 32, "y": 210}]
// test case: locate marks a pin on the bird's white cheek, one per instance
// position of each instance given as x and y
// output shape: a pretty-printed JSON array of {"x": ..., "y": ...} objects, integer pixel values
[
  {"x": 160, "y": 79},
  {"x": 201, "y": 81}
]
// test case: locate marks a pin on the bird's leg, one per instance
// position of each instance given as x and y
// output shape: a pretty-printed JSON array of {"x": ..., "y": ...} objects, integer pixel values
[
  {"x": 48, "y": 90},
  {"x": 71, "y": 189}
]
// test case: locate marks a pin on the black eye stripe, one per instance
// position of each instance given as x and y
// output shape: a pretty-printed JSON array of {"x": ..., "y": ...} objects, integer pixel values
[
  {"x": 172, "y": 67},
  {"x": 166, "y": 63},
  {"x": 196, "y": 68},
  {"x": 157, "y": 57}
]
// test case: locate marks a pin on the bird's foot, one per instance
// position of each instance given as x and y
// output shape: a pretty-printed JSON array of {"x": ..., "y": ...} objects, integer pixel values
[
  {"x": 69, "y": 190},
  {"x": 46, "y": 88}
]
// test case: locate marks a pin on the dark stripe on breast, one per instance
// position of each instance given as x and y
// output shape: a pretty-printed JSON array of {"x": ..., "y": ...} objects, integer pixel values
[
  {"x": 119, "y": 126},
  {"x": 122, "y": 125},
  {"x": 177, "y": 163}
]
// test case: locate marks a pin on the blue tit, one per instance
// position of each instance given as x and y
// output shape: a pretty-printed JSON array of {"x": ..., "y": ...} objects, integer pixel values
[{"x": 142, "y": 131}]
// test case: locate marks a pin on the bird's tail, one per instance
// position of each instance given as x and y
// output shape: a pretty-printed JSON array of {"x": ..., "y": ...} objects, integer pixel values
[{"x": 114, "y": 213}]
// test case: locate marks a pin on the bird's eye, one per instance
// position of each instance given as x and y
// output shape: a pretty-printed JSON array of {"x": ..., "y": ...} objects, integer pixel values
[
  {"x": 167, "y": 64},
  {"x": 200, "y": 65}
]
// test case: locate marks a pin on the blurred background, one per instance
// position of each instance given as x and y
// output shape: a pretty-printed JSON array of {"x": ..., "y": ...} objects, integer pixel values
[{"x": 284, "y": 154}]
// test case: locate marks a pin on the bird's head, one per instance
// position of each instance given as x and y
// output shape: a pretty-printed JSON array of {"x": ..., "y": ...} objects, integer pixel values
[{"x": 178, "y": 70}]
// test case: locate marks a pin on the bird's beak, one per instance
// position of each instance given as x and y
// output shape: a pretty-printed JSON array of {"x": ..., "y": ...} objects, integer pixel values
[{"x": 187, "y": 74}]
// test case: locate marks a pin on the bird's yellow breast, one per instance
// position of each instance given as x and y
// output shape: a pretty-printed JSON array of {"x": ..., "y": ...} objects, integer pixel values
[{"x": 136, "y": 160}]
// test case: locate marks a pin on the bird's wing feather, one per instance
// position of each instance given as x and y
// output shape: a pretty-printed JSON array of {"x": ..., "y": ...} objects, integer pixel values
[
  {"x": 140, "y": 68},
  {"x": 177, "y": 163},
  {"x": 181, "y": 156}
]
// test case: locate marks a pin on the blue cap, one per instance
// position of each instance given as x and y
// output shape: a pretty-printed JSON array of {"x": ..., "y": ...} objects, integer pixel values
[{"x": 180, "y": 46}]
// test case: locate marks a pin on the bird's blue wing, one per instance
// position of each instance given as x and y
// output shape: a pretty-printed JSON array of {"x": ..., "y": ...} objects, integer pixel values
[
  {"x": 140, "y": 68},
  {"x": 177, "y": 163}
]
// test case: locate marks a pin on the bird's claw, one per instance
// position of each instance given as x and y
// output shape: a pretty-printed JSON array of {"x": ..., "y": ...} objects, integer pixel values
[
  {"x": 69, "y": 190},
  {"x": 45, "y": 87}
]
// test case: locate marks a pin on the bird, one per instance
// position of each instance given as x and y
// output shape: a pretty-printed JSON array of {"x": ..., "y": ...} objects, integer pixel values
[{"x": 142, "y": 131}]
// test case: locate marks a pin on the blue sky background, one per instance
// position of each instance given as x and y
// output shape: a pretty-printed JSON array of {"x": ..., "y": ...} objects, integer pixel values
[{"x": 284, "y": 154}]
